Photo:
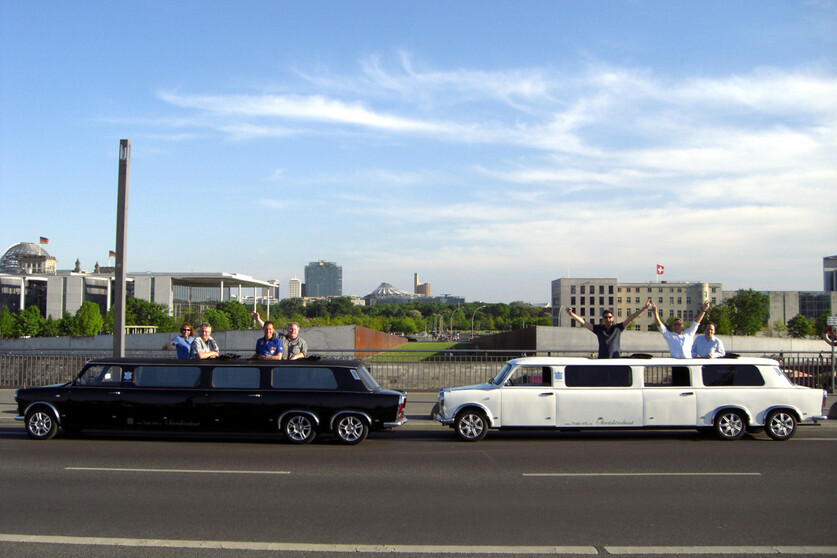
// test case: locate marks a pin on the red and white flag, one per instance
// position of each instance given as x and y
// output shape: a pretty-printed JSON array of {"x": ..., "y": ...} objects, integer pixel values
[{"x": 660, "y": 269}]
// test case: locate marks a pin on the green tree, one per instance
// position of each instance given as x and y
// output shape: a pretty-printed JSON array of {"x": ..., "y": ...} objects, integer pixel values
[
  {"x": 720, "y": 316},
  {"x": 238, "y": 314},
  {"x": 67, "y": 325},
  {"x": 800, "y": 327},
  {"x": 219, "y": 320},
  {"x": 143, "y": 312},
  {"x": 28, "y": 322},
  {"x": 88, "y": 319},
  {"x": 750, "y": 310},
  {"x": 7, "y": 323},
  {"x": 51, "y": 327}
]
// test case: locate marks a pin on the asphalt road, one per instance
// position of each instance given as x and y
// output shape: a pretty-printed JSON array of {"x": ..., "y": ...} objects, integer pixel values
[{"x": 417, "y": 492}]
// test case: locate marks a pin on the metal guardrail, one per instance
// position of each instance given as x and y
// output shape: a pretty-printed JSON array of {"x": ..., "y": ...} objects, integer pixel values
[{"x": 402, "y": 369}]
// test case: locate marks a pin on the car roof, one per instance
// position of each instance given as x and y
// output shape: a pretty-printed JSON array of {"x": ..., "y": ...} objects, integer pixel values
[
  {"x": 640, "y": 360},
  {"x": 123, "y": 361}
]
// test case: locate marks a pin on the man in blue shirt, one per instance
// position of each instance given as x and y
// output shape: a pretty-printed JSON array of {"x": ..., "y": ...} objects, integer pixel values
[{"x": 269, "y": 347}]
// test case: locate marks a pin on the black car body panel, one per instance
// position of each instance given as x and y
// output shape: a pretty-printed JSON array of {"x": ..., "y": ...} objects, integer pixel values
[{"x": 213, "y": 394}]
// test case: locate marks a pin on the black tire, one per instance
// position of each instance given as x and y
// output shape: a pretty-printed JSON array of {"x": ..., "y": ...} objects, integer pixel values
[
  {"x": 299, "y": 428},
  {"x": 471, "y": 425},
  {"x": 780, "y": 424},
  {"x": 41, "y": 423},
  {"x": 730, "y": 424},
  {"x": 351, "y": 429}
]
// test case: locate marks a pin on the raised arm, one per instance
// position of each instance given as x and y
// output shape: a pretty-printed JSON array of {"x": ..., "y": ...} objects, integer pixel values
[
  {"x": 639, "y": 312},
  {"x": 656, "y": 315},
  {"x": 258, "y": 318},
  {"x": 703, "y": 310},
  {"x": 579, "y": 319}
]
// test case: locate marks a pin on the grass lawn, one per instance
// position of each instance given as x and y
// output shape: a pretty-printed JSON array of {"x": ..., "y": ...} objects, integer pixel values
[{"x": 418, "y": 351}]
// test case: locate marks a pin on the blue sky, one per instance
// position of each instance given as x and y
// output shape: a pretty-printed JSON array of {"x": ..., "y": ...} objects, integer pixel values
[{"x": 489, "y": 146}]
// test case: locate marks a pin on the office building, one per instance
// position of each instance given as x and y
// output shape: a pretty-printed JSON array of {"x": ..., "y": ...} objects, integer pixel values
[
  {"x": 323, "y": 278},
  {"x": 422, "y": 289},
  {"x": 829, "y": 273},
  {"x": 590, "y": 297},
  {"x": 294, "y": 288}
]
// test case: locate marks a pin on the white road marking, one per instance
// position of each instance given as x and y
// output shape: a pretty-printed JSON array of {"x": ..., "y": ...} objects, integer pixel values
[
  {"x": 198, "y": 471},
  {"x": 641, "y": 474},
  {"x": 727, "y": 550},
  {"x": 301, "y": 547},
  {"x": 420, "y": 549}
]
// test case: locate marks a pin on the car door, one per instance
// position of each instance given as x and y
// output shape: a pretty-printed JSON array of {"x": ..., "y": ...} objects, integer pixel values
[
  {"x": 527, "y": 398},
  {"x": 599, "y": 396},
  {"x": 95, "y": 399},
  {"x": 163, "y": 394},
  {"x": 234, "y": 399},
  {"x": 668, "y": 397}
]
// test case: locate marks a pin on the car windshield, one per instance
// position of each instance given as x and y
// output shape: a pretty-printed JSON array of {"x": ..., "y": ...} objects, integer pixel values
[
  {"x": 367, "y": 379},
  {"x": 498, "y": 379}
]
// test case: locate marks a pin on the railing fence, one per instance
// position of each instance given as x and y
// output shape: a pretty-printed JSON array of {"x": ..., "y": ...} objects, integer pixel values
[{"x": 406, "y": 369}]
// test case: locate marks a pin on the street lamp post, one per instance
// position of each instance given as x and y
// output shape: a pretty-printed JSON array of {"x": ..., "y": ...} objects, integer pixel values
[{"x": 472, "y": 319}]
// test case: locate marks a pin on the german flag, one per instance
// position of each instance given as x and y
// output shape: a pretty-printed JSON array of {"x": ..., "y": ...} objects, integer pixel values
[
  {"x": 44, "y": 240},
  {"x": 111, "y": 254}
]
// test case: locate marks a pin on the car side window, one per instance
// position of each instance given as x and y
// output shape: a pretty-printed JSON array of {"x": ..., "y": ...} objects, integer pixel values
[
  {"x": 667, "y": 376},
  {"x": 298, "y": 377},
  {"x": 717, "y": 375},
  {"x": 236, "y": 377},
  {"x": 167, "y": 376},
  {"x": 585, "y": 375},
  {"x": 531, "y": 376},
  {"x": 101, "y": 375}
]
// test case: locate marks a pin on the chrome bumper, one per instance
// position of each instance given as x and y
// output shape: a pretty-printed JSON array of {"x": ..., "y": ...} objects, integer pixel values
[
  {"x": 20, "y": 418},
  {"x": 439, "y": 418},
  {"x": 396, "y": 423}
]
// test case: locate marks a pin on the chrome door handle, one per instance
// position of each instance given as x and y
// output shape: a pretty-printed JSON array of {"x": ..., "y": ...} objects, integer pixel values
[
  {"x": 685, "y": 393},
  {"x": 255, "y": 395},
  {"x": 546, "y": 393},
  {"x": 114, "y": 393}
]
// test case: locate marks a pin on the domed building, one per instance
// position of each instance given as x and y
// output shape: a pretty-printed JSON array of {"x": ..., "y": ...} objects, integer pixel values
[{"x": 27, "y": 258}]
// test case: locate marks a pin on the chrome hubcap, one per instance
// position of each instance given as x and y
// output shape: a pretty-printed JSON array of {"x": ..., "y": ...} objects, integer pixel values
[
  {"x": 731, "y": 425},
  {"x": 299, "y": 428},
  {"x": 471, "y": 426},
  {"x": 40, "y": 424},
  {"x": 781, "y": 424},
  {"x": 350, "y": 428}
]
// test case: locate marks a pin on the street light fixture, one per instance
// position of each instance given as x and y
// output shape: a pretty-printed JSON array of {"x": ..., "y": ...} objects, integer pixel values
[{"x": 472, "y": 319}]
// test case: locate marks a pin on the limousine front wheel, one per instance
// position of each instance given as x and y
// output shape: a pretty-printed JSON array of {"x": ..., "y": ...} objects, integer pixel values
[
  {"x": 471, "y": 425},
  {"x": 780, "y": 425},
  {"x": 351, "y": 429},
  {"x": 299, "y": 428},
  {"x": 41, "y": 424},
  {"x": 730, "y": 425}
]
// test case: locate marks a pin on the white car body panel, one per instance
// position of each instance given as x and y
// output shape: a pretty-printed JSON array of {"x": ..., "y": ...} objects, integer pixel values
[{"x": 633, "y": 403}]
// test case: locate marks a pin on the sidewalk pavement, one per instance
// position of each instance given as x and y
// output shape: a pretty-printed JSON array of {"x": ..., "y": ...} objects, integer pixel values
[{"x": 417, "y": 410}]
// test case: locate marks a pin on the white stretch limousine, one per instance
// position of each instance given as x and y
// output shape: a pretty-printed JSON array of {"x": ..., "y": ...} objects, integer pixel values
[{"x": 729, "y": 395}]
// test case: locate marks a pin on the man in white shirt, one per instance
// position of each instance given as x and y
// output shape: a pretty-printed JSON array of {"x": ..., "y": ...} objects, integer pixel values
[
  {"x": 707, "y": 345},
  {"x": 679, "y": 341}
]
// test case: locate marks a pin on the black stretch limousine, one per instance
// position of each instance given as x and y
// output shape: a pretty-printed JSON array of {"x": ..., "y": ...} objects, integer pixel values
[{"x": 301, "y": 398}]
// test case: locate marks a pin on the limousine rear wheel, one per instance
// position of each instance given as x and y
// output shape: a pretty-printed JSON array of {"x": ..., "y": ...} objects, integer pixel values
[
  {"x": 299, "y": 428},
  {"x": 41, "y": 424},
  {"x": 351, "y": 429},
  {"x": 780, "y": 425},
  {"x": 730, "y": 425},
  {"x": 471, "y": 425}
]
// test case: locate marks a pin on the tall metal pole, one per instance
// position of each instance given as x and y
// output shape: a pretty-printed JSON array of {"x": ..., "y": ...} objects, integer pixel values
[{"x": 121, "y": 243}]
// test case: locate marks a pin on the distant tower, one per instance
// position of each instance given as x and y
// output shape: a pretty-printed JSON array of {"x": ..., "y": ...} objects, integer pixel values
[
  {"x": 294, "y": 288},
  {"x": 420, "y": 288},
  {"x": 323, "y": 278}
]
